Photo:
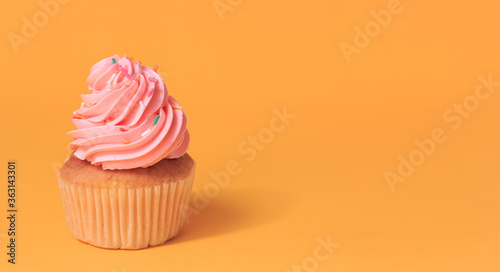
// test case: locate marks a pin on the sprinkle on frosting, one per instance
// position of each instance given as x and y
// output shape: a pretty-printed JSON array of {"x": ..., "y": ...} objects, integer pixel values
[
  {"x": 113, "y": 60},
  {"x": 111, "y": 79},
  {"x": 126, "y": 142},
  {"x": 156, "y": 119},
  {"x": 142, "y": 105},
  {"x": 177, "y": 107},
  {"x": 145, "y": 132},
  {"x": 152, "y": 79},
  {"x": 150, "y": 92},
  {"x": 123, "y": 71},
  {"x": 156, "y": 68}
]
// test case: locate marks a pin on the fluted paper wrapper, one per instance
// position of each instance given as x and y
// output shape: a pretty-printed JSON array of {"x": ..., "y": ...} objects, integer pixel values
[{"x": 126, "y": 218}]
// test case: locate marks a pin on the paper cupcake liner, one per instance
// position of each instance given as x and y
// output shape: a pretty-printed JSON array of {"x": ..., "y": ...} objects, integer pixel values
[{"x": 126, "y": 218}]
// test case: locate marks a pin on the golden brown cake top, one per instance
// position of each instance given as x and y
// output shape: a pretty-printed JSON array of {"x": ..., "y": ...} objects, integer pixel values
[{"x": 166, "y": 170}]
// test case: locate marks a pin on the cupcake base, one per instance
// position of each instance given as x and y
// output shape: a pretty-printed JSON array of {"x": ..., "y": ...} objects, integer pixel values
[{"x": 126, "y": 209}]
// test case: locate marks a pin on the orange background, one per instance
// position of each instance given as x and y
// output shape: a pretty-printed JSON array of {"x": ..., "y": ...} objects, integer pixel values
[{"x": 323, "y": 175}]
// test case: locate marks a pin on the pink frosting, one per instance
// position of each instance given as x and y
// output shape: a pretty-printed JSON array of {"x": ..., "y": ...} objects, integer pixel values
[{"x": 116, "y": 126}]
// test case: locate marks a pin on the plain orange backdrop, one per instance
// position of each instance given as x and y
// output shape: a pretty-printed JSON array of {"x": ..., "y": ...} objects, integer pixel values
[{"x": 322, "y": 175}]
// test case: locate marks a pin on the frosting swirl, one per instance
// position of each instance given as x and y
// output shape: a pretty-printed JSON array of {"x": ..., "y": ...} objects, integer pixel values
[{"x": 128, "y": 120}]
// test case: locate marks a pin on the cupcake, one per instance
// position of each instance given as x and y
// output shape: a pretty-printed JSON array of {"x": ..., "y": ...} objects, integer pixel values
[{"x": 128, "y": 182}]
